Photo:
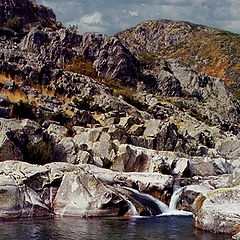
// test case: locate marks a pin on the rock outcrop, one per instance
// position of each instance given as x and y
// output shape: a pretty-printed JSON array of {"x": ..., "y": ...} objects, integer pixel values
[
  {"x": 24, "y": 12},
  {"x": 68, "y": 190},
  {"x": 218, "y": 211}
]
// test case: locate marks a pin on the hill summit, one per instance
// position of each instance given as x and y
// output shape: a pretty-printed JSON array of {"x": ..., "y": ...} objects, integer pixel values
[{"x": 209, "y": 50}]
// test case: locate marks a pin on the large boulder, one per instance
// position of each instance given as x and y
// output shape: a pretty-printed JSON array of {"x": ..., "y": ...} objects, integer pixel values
[
  {"x": 110, "y": 57},
  {"x": 8, "y": 151},
  {"x": 84, "y": 196},
  {"x": 34, "y": 40},
  {"x": 218, "y": 211}
]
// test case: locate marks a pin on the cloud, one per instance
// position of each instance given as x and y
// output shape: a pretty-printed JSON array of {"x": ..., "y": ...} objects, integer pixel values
[
  {"x": 95, "y": 18},
  {"x": 110, "y": 16},
  {"x": 133, "y": 13}
]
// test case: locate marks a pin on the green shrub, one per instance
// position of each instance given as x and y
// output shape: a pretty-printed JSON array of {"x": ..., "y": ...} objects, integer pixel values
[
  {"x": 23, "y": 110},
  {"x": 236, "y": 94},
  {"x": 82, "y": 66},
  {"x": 14, "y": 24},
  {"x": 127, "y": 93},
  {"x": 58, "y": 117},
  {"x": 147, "y": 58},
  {"x": 84, "y": 103},
  {"x": 39, "y": 153},
  {"x": 204, "y": 118},
  {"x": 6, "y": 32},
  {"x": 107, "y": 163}
]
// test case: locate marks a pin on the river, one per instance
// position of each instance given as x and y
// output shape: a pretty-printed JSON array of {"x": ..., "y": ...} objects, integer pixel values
[{"x": 161, "y": 228}]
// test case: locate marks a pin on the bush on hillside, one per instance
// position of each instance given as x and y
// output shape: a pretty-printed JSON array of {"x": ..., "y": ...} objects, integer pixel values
[
  {"x": 147, "y": 58},
  {"x": 14, "y": 24},
  {"x": 82, "y": 66},
  {"x": 23, "y": 110},
  {"x": 39, "y": 153}
]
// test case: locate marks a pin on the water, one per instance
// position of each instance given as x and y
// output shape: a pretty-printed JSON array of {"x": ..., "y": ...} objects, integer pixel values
[
  {"x": 174, "y": 199},
  {"x": 154, "y": 228},
  {"x": 158, "y": 206}
]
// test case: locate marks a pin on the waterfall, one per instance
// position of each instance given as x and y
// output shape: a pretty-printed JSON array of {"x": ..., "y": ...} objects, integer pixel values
[
  {"x": 174, "y": 199},
  {"x": 131, "y": 205},
  {"x": 172, "y": 209},
  {"x": 155, "y": 206}
]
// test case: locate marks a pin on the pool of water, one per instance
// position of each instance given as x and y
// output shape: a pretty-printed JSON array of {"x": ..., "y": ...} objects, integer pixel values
[{"x": 161, "y": 228}]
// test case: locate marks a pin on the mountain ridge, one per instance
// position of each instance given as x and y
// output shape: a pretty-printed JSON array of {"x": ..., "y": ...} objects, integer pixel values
[{"x": 188, "y": 41}]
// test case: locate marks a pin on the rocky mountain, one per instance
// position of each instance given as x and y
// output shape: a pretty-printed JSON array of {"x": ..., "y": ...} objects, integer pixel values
[
  {"x": 98, "y": 112},
  {"x": 19, "y": 14},
  {"x": 212, "y": 51}
]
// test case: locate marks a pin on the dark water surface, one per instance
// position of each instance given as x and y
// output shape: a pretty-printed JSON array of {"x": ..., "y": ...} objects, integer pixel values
[{"x": 161, "y": 228}]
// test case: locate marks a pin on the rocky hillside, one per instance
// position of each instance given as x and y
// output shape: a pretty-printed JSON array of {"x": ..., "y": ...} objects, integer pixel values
[
  {"x": 96, "y": 116},
  {"x": 15, "y": 14},
  {"x": 212, "y": 51}
]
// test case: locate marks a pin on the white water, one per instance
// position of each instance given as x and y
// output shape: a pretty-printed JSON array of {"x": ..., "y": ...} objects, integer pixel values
[
  {"x": 132, "y": 207},
  {"x": 162, "y": 206},
  {"x": 166, "y": 210}
]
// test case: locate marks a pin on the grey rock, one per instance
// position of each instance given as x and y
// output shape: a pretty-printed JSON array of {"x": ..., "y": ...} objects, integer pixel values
[
  {"x": 16, "y": 8},
  {"x": 141, "y": 141},
  {"x": 56, "y": 132},
  {"x": 8, "y": 151},
  {"x": 204, "y": 166},
  {"x": 85, "y": 196},
  {"x": 34, "y": 40},
  {"x": 213, "y": 212},
  {"x": 65, "y": 151}
]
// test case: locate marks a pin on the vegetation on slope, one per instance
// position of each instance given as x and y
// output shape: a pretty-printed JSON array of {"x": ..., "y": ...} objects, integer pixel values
[{"x": 212, "y": 51}]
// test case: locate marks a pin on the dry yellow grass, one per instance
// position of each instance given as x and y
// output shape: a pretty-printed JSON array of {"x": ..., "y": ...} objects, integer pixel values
[
  {"x": 3, "y": 78},
  {"x": 15, "y": 96},
  {"x": 179, "y": 124}
]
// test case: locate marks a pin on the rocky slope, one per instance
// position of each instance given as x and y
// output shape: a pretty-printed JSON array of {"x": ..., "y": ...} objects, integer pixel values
[
  {"x": 95, "y": 116},
  {"x": 212, "y": 51}
]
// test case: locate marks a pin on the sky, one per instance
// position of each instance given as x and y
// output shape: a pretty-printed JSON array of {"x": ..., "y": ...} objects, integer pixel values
[{"x": 112, "y": 16}]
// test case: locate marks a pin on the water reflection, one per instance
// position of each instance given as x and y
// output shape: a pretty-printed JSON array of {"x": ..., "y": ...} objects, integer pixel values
[{"x": 161, "y": 228}]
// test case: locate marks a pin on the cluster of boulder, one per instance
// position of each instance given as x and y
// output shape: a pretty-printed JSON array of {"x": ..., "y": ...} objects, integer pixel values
[{"x": 187, "y": 134}]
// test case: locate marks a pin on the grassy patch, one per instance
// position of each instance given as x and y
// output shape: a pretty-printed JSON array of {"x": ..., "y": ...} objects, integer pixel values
[
  {"x": 23, "y": 110},
  {"x": 39, "y": 153},
  {"x": 236, "y": 94},
  {"x": 204, "y": 118},
  {"x": 14, "y": 24},
  {"x": 147, "y": 58},
  {"x": 81, "y": 66},
  {"x": 128, "y": 94}
]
